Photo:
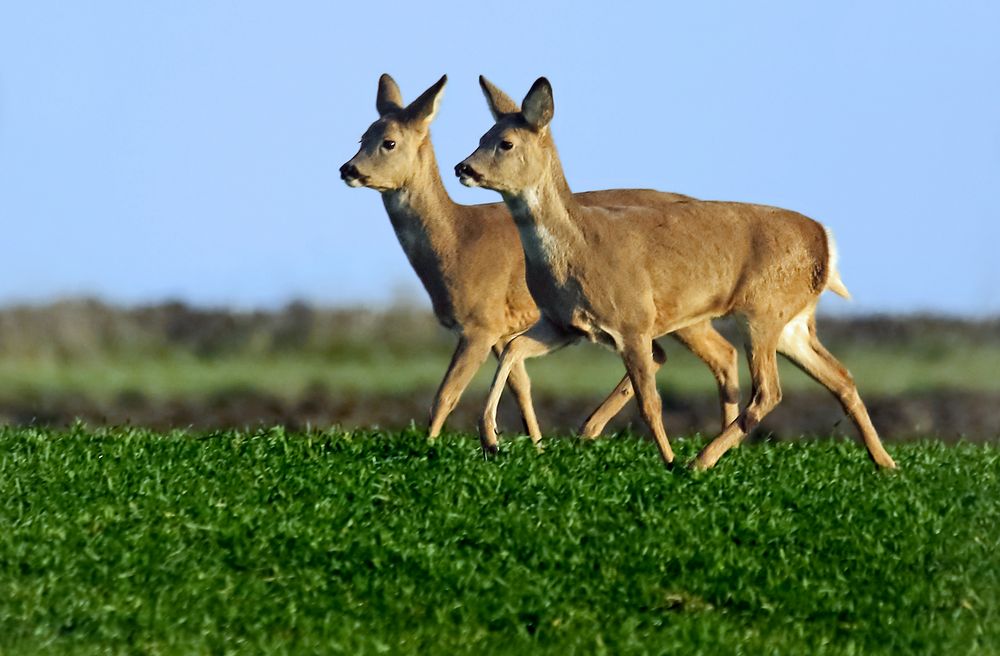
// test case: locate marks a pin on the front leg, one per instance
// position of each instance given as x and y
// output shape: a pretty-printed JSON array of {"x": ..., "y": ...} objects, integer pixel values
[
  {"x": 540, "y": 339},
  {"x": 611, "y": 406},
  {"x": 472, "y": 351},
  {"x": 520, "y": 386},
  {"x": 642, "y": 370}
]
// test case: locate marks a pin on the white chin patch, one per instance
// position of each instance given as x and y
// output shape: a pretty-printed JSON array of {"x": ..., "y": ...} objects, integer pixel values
[
  {"x": 468, "y": 181},
  {"x": 353, "y": 182}
]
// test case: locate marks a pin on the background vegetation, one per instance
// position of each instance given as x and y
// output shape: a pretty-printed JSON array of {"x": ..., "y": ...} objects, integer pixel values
[
  {"x": 86, "y": 346},
  {"x": 174, "y": 365}
]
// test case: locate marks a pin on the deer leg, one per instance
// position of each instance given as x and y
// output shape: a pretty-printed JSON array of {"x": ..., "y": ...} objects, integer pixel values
[
  {"x": 766, "y": 394},
  {"x": 642, "y": 370},
  {"x": 471, "y": 352},
  {"x": 800, "y": 345},
  {"x": 714, "y": 350},
  {"x": 540, "y": 339},
  {"x": 520, "y": 386},
  {"x": 613, "y": 404}
]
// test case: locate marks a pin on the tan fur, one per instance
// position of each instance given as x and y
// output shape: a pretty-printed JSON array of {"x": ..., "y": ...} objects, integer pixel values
[
  {"x": 470, "y": 261},
  {"x": 628, "y": 272}
]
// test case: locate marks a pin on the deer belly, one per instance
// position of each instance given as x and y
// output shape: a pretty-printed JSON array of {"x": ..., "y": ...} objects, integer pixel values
[{"x": 590, "y": 328}]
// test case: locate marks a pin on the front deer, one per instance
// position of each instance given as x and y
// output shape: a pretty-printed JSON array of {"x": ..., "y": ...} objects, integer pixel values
[
  {"x": 470, "y": 262},
  {"x": 623, "y": 276}
]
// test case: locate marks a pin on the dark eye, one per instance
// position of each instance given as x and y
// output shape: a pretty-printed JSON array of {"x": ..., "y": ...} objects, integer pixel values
[
  {"x": 388, "y": 144},
  {"x": 506, "y": 145}
]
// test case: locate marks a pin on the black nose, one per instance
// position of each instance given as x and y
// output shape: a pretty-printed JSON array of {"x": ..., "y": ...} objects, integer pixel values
[
  {"x": 349, "y": 171},
  {"x": 464, "y": 169}
]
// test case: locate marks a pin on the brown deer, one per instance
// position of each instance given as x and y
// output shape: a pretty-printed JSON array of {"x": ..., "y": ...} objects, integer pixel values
[
  {"x": 624, "y": 275},
  {"x": 471, "y": 264}
]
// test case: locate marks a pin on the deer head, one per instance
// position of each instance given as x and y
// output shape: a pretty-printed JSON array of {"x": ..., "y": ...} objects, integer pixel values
[
  {"x": 516, "y": 152},
  {"x": 391, "y": 147}
]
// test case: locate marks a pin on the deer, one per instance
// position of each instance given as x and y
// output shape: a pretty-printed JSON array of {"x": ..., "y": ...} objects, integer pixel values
[
  {"x": 622, "y": 275},
  {"x": 469, "y": 260}
]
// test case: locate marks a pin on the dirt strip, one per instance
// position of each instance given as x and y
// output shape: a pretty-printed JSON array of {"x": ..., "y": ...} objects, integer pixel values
[{"x": 948, "y": 415}]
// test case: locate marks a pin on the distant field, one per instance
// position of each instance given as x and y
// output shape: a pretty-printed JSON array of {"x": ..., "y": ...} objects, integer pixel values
[
  {"x": 172, "y": 365},
  {"x": 87, "y": 348},
  {"x": 583, "y": 369},
  {"x": 129, "y": 541}
]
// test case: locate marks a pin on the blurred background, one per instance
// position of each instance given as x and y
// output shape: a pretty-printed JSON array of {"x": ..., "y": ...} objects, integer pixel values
[{"x": 179, "y": 251}]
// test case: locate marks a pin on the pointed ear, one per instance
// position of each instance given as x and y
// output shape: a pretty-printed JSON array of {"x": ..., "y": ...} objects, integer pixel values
[
  {"x": 499, "y": 102},
  {"x": 538, "y": 106},
  {"x": 388, "y": 99},
  {"x": 425, "y": 107}
]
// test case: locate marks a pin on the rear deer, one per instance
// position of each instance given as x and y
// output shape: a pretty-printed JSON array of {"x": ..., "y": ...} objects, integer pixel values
[
  {"x": 470, "y": 262},
  {"x": 624, "y": 275}
]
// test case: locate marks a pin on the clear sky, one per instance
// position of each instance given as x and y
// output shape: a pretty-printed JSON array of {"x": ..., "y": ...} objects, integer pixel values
[{"x": 190, "y": 149}]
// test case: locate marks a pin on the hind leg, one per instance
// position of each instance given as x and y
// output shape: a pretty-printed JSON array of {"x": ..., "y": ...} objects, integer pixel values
[
  {"x": 765, "y": 395},
  {"x": 800, "y": 345},
  {"x": 715, "y": 351}
]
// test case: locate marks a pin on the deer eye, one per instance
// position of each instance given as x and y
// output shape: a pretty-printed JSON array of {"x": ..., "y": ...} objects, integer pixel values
[
  {"x": 388, "y": 144},
  {"x": 506, "y": 145}
]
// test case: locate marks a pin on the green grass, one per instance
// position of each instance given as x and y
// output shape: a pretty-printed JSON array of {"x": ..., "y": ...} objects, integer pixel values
[
  {"x": 583, "y": 369},
  {"x": 128, "y": 541}
]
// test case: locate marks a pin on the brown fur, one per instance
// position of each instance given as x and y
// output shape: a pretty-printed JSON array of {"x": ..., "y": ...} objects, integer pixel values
[
  {"x": 470, "y": 261},
  {"x": 629, "y": 271}
]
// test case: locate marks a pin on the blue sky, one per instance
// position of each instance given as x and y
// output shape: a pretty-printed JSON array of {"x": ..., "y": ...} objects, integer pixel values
[{"x": 190, "y": 149}]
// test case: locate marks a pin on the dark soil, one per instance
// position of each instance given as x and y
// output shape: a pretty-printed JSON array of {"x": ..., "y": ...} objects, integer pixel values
[{"x": 948, "y": 415}]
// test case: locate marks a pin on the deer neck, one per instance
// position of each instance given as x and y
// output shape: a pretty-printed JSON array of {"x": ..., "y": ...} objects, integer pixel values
[
  {"x": 544, "y": 215},
  {"x": 423, "y": 214}
]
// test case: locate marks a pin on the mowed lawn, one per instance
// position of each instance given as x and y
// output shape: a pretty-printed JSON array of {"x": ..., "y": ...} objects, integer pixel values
[{"x": 127, "y": 541}]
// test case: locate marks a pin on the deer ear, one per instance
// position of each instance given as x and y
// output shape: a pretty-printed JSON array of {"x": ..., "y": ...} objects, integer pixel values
[
  {"x": 538, "y": 106},
  {"x": 425, "y": 107},
  {"x": 388, "y": 99},
  {"x": 499, "y": 102}
]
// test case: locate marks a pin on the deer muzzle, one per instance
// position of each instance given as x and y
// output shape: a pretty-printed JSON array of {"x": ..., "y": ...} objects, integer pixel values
[
  {"x": 467, "y": 175},
  {"x": 350, "y": 174}
]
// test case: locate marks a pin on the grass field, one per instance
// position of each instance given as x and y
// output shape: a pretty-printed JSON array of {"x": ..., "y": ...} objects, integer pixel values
[{"x": 127, "y": 541}]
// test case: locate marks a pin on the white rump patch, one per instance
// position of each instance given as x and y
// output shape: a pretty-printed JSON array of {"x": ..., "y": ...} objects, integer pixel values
[
  {"x": 833, "y": 281},
  {"x": 832, "y": 255},
  {"x": 795, "y": 341}
]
